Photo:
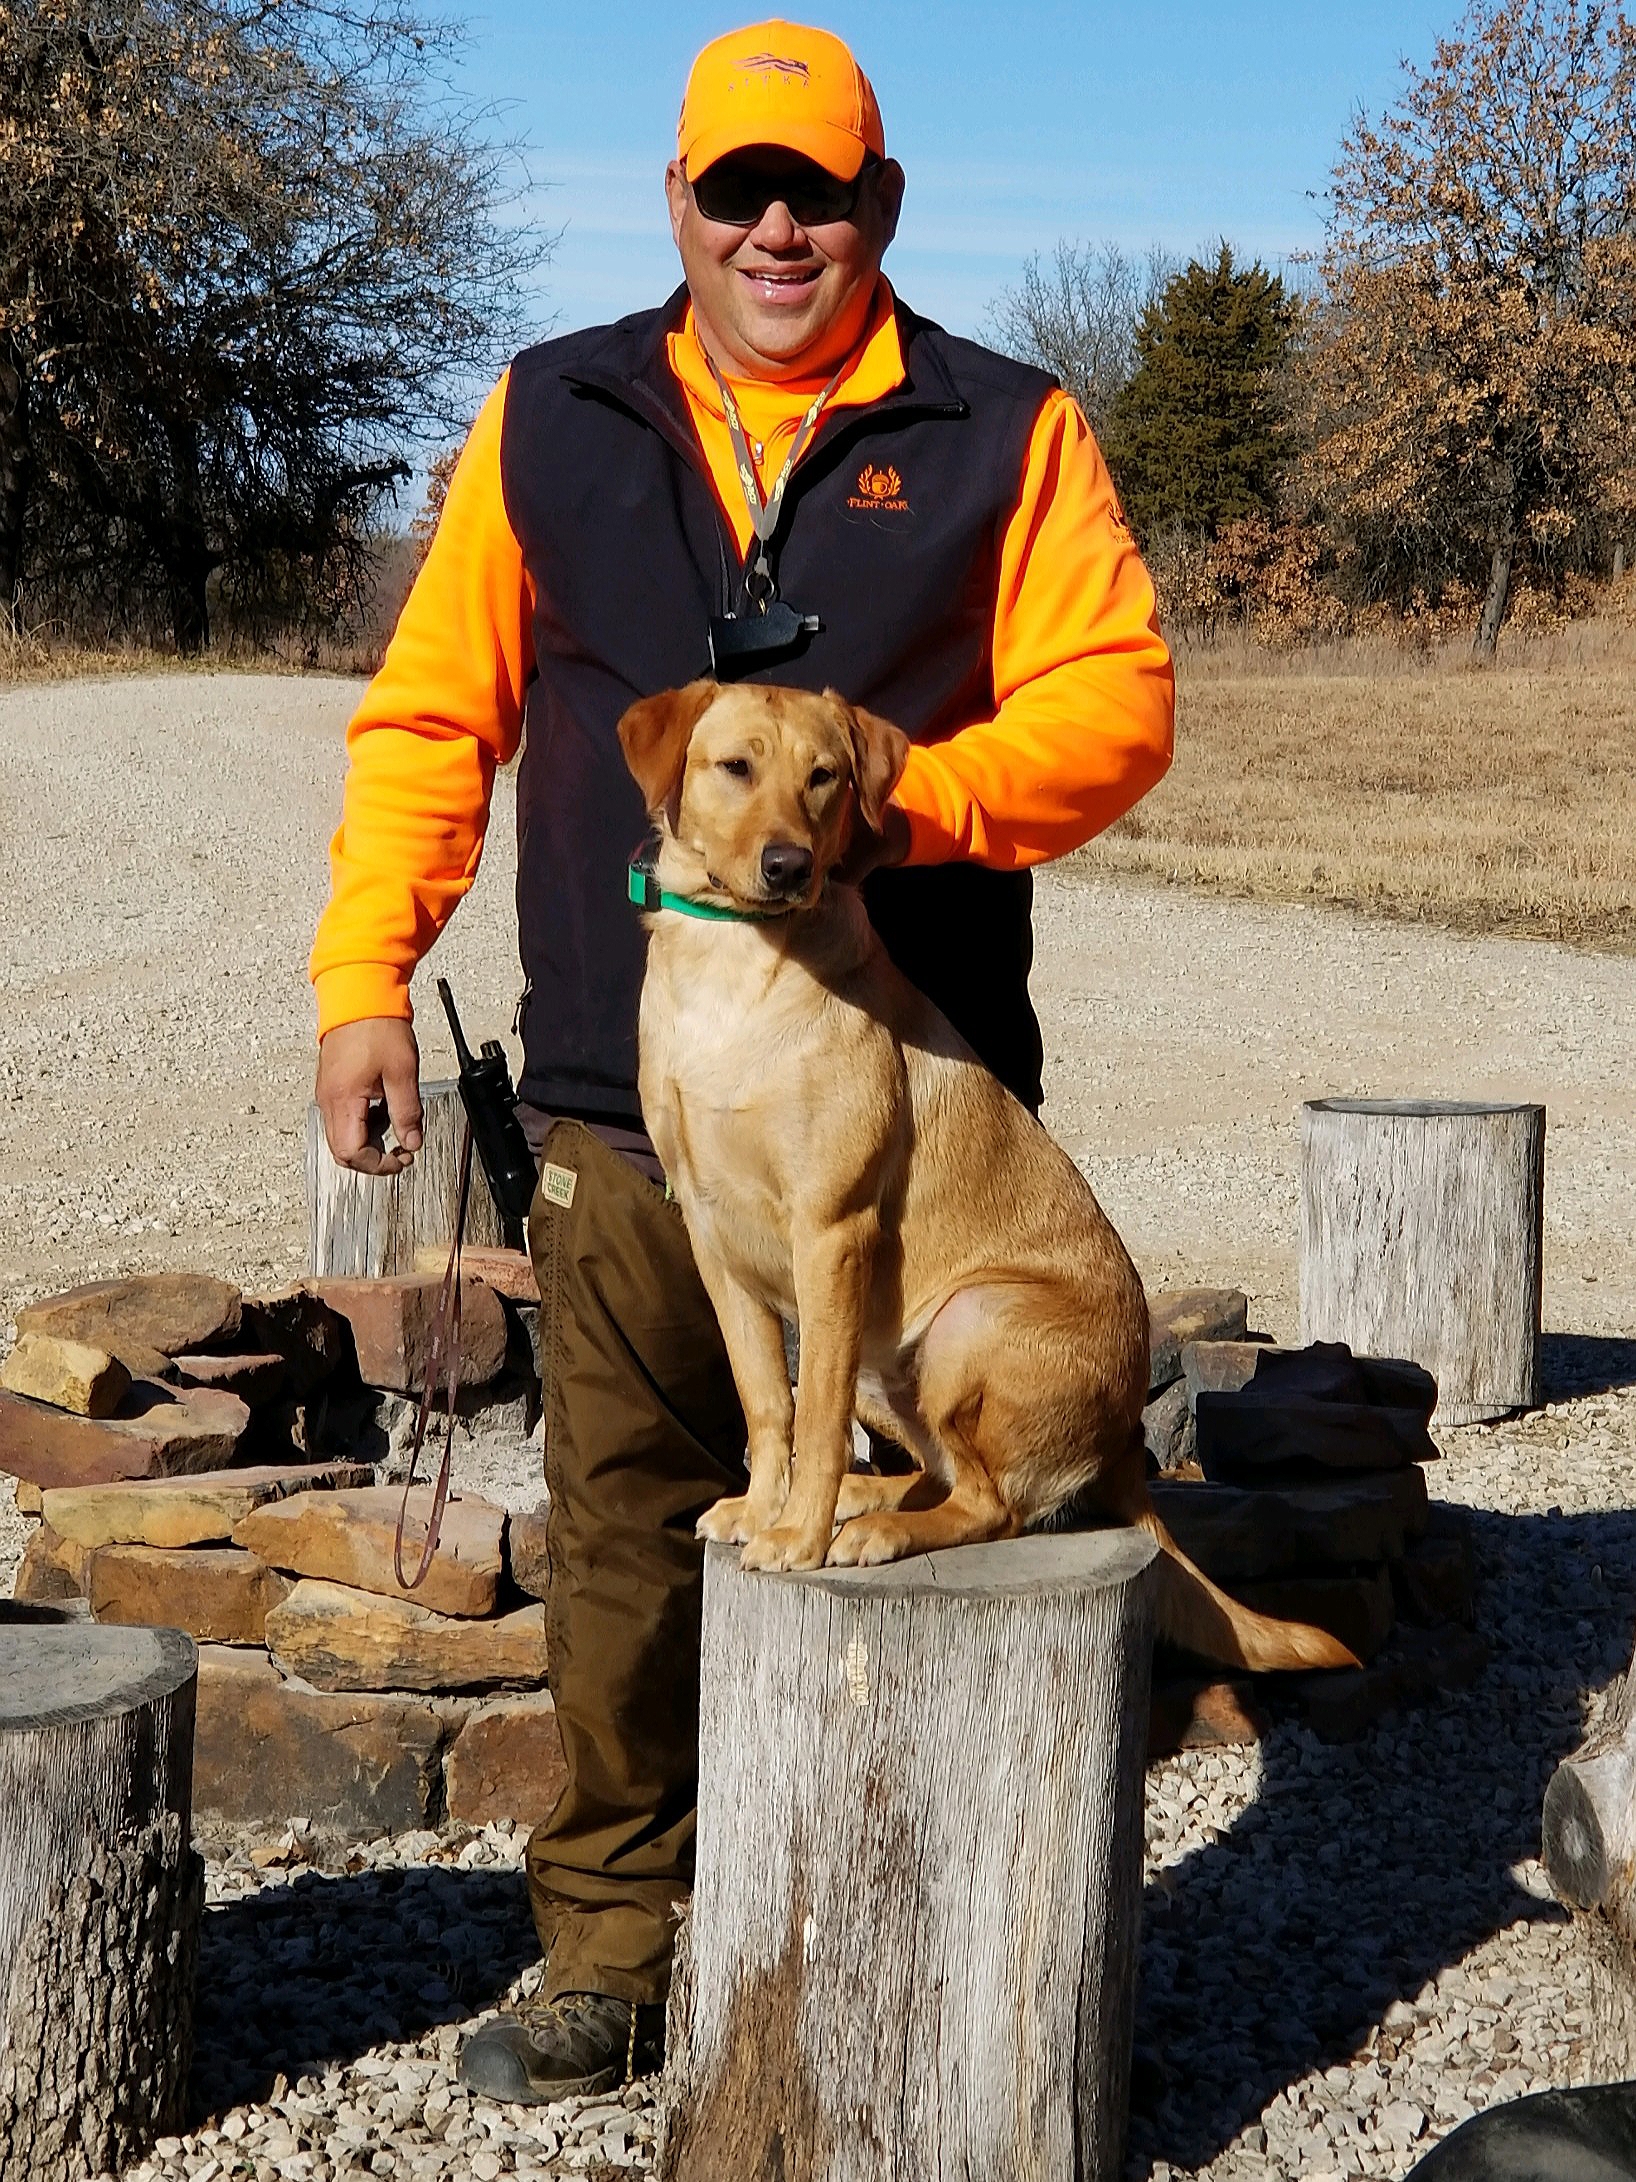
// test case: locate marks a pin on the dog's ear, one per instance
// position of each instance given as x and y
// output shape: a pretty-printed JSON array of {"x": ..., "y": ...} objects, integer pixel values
[
  {"x": 879, "y": 753},
  {"x": 654, "y": 734}
]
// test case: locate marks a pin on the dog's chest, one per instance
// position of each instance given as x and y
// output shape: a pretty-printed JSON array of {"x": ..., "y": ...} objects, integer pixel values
[
  {"x": 715, "y": 1054},
  {"x": 703, "y": 1048}
]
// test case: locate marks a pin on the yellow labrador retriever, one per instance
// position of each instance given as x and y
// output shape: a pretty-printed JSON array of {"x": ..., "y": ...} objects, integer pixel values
[{"x": 843, "y": 1160}]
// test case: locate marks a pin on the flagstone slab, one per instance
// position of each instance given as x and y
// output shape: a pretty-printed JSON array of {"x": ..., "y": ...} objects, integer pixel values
[
  {"x": 218, "y": 1594},
  {"x": 186, "y": 1511},
  {"x": 348, "y": 1538},
  {"x": 338, "y": 1638}
]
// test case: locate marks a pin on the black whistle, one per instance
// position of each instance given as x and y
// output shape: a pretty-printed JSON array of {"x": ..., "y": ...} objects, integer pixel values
[
  {"x": 491, "y": 1108},
  {"x": 739, "y": 643}
]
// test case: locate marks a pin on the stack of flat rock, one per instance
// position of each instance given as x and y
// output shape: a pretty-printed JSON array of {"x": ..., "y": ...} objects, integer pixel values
[
  {"x": 173, "y": 1440},
  {"x": 210, "y": 1461},
  {"x": 1295, "y": 1478}
]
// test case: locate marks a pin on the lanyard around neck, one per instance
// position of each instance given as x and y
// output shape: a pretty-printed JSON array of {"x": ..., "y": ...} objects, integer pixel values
[{"x": 764, "y": 510}]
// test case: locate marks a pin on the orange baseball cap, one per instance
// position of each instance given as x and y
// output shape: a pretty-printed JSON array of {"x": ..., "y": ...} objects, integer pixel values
[{"x": 779, "y": 83}]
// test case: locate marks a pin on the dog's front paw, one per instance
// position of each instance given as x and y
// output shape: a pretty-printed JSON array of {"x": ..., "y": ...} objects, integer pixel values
[
  {"x": 729, "y": 1522},
  {"x": 784, "y": 1547},
  {"x": 870, "y": 1539}
]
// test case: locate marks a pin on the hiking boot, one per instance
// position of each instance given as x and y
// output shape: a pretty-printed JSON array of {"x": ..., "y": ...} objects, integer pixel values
[{"x": 562, "y": 2049}]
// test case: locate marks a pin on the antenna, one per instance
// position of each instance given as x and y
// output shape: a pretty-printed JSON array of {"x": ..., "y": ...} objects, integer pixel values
[{"x": 460, "y": 1045}]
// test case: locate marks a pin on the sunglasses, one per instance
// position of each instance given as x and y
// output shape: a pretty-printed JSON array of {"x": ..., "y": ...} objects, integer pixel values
[{"x": 738, "y": 196}]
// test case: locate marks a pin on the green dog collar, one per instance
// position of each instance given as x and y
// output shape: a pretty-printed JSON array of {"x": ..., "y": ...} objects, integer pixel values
[{"x": 646, "y": 892}]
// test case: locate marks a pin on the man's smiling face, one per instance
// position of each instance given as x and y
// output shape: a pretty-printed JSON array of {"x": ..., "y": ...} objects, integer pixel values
[{"x": 781, "y": 297}]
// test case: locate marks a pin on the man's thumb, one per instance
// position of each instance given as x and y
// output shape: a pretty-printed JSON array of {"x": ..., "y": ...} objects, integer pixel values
[{"x": 400, "y": 1080}]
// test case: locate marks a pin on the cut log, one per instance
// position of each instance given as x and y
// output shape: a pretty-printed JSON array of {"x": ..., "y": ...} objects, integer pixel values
[
  {"x": 1590, "y": 1811},
  {"x": 921, "y": 1784},
  {"x": 100, "y": 1895},
  {"x": 1422, "y": 1224},
  {"x": 360, "y": 1226},
  {"x": 1588, "y": 1848}
]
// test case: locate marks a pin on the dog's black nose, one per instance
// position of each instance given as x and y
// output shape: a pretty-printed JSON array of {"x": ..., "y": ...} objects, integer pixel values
[{"x": 785, "y": 866}]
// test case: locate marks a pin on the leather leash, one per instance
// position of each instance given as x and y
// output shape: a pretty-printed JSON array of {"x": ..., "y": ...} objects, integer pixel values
[{"x": 445, "y": 1344}]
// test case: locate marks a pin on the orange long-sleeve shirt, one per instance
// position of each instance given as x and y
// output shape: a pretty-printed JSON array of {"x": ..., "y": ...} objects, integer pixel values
[{"x": 1082, "y": 680}]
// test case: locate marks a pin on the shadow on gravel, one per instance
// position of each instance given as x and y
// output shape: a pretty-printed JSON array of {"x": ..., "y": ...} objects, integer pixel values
[
  {"x": 309, "y": 1975},
  {"x": 1585, "y": 1363},
  {"x": 1363, "y": 1869}
]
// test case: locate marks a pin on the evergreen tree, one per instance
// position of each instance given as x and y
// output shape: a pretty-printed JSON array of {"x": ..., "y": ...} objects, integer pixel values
[{"x": 1195, "y": 437}]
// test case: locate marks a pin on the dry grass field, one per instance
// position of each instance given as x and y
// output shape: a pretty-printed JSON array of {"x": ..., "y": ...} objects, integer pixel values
[
  {"x": 1407, "y": 784},
  {"x": 1375, "y": 774}
]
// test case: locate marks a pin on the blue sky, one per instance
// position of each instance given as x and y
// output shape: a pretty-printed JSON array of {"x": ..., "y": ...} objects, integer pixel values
[{"x": 1171, "y": 123}]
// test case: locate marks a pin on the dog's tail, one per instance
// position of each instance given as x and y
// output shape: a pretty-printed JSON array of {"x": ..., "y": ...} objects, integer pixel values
[{"x": 1198, "y": 1615}]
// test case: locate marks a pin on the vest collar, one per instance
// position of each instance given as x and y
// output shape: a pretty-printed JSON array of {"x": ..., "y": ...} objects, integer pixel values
[
  {"x": 631, "y": 364},
  {"x": 872, "y": 371}
]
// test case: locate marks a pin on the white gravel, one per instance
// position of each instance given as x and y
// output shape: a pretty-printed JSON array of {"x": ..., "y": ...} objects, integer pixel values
[{"x": 1346, "y": 1949}]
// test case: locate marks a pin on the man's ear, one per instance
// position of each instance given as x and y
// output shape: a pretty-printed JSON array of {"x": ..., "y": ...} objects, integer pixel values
[
  {"x": 654, "y": 734},
  {"x": 889, "y": 183},
  {"x": 879, "y": 753}
]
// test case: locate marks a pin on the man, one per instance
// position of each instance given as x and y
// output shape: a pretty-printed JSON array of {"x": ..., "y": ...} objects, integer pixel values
[{"x": 785, "y": 470}]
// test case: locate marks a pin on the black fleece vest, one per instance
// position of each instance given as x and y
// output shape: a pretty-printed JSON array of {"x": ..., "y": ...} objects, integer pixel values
[{"x": 890, "y": 533}]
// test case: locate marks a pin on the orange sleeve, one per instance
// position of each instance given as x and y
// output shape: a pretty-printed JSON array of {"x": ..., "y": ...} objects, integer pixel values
[
  {"x": 444, "y": 710},
  {"x": 1086, "y": 695}
]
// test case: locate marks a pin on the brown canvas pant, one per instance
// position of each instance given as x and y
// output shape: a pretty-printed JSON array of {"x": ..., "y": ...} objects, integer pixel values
[{"x": 643, "y": 1431}]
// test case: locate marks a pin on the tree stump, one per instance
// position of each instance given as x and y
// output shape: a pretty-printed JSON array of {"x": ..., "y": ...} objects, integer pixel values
[
  {"x": 1588, "y": 1847},
  {"x": 1422, "y": 1224},
  {"x": 360, "y": 1226},
  {"x": 100, "y": 1894},
  {"x": 913, "y": 1941}
]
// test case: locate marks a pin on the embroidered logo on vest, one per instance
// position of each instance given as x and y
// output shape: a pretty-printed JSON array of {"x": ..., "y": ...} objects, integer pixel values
[{"x": 880, "y": 489}]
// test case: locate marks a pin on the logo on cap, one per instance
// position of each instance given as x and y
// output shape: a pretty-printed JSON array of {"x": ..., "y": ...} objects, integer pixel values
[
  {"x": 764, "y": 64},
  {"x": 880, "y": 489}
]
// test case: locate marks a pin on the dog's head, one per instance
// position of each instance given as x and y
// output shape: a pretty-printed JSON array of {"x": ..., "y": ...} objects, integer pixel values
[{"x": 758, "y": 788}]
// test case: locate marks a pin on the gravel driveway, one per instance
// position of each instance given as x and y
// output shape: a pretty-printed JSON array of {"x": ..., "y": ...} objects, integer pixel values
[{"x": 1346, "y": 1949}]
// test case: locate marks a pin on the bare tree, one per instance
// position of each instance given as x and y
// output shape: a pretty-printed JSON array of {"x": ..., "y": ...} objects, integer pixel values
[
  {"x": 1076, "y": 315},
  {"x": 1472, "y": 368},
  {"x": 250, "y": 252}
]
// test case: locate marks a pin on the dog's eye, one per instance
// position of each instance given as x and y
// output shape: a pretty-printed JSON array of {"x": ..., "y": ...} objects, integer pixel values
[
  {"x": 822, "y": 775},
  {"x": 739, "y": 768}
]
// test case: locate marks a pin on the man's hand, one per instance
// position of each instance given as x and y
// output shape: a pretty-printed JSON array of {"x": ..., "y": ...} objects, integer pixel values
[{"x": 359, "y": 1064}]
